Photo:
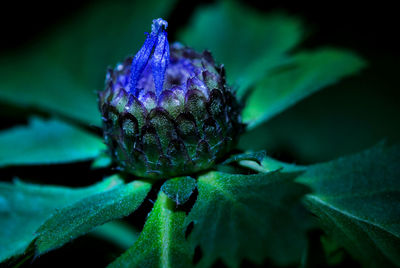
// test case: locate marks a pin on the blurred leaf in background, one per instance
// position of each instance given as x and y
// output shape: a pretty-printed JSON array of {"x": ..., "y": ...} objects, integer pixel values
[
  {"x": 248, "y": 43},
  {"x": 47, "y": 142},
  {"x": 303, "y": 75},
  {"x": 62, "y": 73}
]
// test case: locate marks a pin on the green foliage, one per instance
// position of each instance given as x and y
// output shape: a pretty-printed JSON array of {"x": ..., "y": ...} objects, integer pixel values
[
  {"x": 47, "y": 142},
  {"x": 179, "y": 189},
  {"x": 102, "y": 161},
  {"x": 24, "y": 207},
  {"x": 269, "y": 164},
  {"x": 257, "y": 157},
  {"x": 248, "y": 216},
  {"x": 357, "y": 200},
  {"x": 261, "y": 53},
  {"x": 236, "y": 216},
  {"x": 304, "y": 74},
  {"x": 81, "y": 217},
  {"x": 246, "y": 42},
  {"x": 64, "y": 72},
  {"x": 119, "y": 233},
  {"x": 162, "y": 242}
]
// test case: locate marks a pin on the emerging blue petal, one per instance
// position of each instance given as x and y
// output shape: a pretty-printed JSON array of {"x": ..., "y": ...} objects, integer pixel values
[
  {"x": 160, "y": 62},
  {"x": 140, "y": 61},
  {"x": 156, "y": 50}
]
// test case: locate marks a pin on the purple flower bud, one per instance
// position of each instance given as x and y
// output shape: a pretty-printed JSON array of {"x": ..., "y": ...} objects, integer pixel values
[{"x": 168, "y": 111}]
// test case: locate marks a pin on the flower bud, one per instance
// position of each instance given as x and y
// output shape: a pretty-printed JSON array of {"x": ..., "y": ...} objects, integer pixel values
[{"x": 167, "y": 111}]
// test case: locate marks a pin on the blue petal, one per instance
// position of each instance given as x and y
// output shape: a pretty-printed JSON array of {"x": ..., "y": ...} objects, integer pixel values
[
  {"x": 140, "y": 61},
  {"x": 160, "y": 61},
  {"x": 155, "y": 47}
]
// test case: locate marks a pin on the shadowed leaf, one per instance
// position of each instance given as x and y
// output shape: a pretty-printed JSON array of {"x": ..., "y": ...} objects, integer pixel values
[
  {"x": 47, "y": 142},
  {"x": 24, "y": 207},
  {"x": 251, "y": 217},
  {"x": 357, "y": 200}
]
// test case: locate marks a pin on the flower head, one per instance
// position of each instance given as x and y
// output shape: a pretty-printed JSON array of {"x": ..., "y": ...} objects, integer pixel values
[{"x": 168, "y": 111}]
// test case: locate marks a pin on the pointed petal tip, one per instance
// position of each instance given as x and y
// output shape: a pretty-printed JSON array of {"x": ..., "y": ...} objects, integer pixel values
[{"x": 158, "y": 24}]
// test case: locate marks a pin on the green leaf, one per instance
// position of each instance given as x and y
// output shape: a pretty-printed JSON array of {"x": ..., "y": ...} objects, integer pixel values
[
  {"x": 102, "y": 161},
  {"x": 119, "y": 233},
  {"x": 24, "y": 207},
  {"x": 251, "y": 217},
  {"x": 81, "y": 217},
  {"x": 63, "y": 72},
  {"x": 306, "y": 73},
  {"x": 257, "y": 157},
  {"x": 41, "y": 82},
  {"x": 47, "y": 142},
  {"x": 179, "y": 189},
  {"x": 269, "y": 164},
  {"x": 246, "y": 42},
  {"x": 162, "y": 242},
  {"x": 357, "y": 200}
]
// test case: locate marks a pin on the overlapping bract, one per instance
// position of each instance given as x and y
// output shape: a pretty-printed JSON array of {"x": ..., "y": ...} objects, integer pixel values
[{"x": 194, "y": 121}]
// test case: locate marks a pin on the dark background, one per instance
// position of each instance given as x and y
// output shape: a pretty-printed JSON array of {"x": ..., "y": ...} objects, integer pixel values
[{"x": 345, "y": 118}]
